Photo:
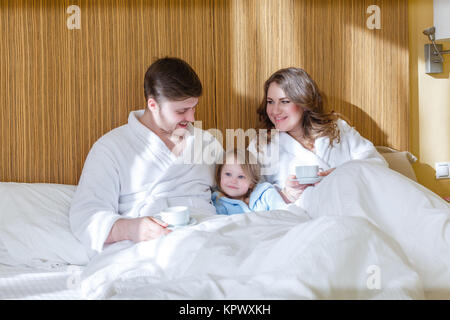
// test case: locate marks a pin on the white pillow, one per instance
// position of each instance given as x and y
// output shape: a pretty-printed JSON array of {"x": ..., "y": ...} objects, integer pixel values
[
  {"x": 399, "y": 161},
  {"x": 34, "y": 224}
]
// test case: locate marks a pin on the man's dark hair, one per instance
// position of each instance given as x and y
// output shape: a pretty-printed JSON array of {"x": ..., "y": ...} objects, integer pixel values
[{"x": 172, "y": 79}]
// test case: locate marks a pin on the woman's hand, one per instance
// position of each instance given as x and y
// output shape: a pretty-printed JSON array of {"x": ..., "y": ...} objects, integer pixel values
[
  {"x": 324, "y": 174},
  {"x": 293, "y": 190},
  {"x": 137, "y": 229}
]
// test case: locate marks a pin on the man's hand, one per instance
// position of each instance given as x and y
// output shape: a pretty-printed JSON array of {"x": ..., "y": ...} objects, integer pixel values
[{"x": 137, "y": 229}]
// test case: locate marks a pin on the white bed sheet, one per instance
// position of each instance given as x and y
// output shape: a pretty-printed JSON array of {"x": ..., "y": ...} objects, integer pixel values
[{"x": 27, "y": 283}]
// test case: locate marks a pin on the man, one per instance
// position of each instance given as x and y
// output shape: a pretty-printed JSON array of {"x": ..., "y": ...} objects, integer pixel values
[{"x": 138, "y": 169}]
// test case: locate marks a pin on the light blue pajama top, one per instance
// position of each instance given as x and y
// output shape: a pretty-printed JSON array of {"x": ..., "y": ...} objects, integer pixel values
[{"x": 263, "y": 198}]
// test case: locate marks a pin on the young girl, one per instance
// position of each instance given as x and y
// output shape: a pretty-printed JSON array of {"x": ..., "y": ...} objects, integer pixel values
[{"x": 239, "y": 187}]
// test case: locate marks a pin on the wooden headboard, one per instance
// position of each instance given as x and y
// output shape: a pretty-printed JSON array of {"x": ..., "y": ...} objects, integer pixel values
[{"x": 61, "y": 89}]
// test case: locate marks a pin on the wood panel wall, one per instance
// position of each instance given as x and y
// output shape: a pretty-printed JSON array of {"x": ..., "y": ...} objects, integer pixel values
[{"x": 62, "y": 89}]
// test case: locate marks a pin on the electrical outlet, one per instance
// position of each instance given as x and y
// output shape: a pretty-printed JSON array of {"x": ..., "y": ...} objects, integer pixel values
[{"x": 442, "y": 170}]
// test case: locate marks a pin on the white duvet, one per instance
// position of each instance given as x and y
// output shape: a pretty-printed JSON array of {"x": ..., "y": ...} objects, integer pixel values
[
  {"x": 266, "y": 255},
  {"x": 374, "y": 235},
  {"x": 411, "y": 215}
]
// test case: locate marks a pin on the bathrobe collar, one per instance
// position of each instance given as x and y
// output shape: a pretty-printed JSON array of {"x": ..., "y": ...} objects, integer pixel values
[
  {"x": 292, "y": 146},
  {"x": 151, "y": 139}
]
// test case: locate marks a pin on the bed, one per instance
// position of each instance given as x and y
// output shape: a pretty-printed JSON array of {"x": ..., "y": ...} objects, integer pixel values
[{"x": 353, "y": 245}]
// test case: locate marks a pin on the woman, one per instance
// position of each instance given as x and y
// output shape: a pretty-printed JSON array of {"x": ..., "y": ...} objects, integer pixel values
[
  {"x": 293, "y": 105},
  {"x": 415, "y": 217}
]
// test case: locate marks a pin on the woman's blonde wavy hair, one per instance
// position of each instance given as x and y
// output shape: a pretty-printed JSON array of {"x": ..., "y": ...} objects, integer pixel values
[{"x": 301, "y": 89}]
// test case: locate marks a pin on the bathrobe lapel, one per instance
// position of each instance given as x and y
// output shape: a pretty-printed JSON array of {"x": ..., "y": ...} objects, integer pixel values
[
  {"x": 177, "y": 178},
  {"x": 304, "y": 156}
]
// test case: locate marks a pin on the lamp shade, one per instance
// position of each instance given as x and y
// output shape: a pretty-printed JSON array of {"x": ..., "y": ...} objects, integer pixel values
[{"x": 442, "y": 19}]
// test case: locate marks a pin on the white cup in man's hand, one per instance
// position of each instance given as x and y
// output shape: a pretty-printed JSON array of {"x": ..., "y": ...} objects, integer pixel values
[{"x": 176, "y": 216}]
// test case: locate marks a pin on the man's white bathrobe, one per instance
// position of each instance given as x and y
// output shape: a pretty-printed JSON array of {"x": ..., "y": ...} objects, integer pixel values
[
  {"x": 284, "y": 153},
  {"x": 130, "y": 172}
]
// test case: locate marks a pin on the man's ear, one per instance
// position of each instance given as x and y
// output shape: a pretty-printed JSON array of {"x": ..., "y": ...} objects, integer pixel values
[{"x": 152, "y": 105}]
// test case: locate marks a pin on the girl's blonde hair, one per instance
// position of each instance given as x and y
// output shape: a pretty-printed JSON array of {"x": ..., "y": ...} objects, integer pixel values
[{"x": 248, "y": 163}]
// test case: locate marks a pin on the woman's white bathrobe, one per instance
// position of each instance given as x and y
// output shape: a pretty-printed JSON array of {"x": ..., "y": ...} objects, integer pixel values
[
  {"x": 286, "y": 153},
  {"x": 130, "y": 172}
]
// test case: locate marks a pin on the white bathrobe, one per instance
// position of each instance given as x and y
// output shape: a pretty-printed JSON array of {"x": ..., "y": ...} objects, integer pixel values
[
  {"x": 130, "y": 172},
  {"x": 284, "y": 153}
]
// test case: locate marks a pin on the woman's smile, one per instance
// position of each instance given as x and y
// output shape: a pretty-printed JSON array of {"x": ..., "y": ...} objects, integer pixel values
[{"x": 279, "y": 119}]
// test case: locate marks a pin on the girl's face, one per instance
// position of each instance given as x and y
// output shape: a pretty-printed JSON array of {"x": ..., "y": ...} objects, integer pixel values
[
  {"x": 233, "y": 181},
  {"x": 283, "y": 113}
]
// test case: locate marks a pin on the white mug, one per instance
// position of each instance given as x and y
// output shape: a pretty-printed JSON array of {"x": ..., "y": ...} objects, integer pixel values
[
  {"x": 176, "y": 216},
  {"x": 302, "y": 172}
]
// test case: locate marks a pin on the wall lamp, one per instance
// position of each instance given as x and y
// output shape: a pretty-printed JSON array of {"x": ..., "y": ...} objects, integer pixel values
[
  {"x": 433, "y": 53},
  {"x": 439, "y": 32}
]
